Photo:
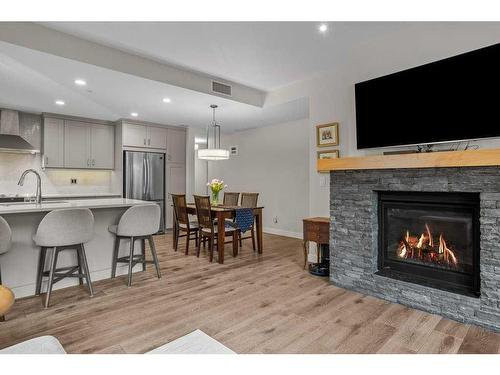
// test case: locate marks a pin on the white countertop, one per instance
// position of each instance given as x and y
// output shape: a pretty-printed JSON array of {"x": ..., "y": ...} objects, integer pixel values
[
  {"x": 63, "y": 195},
  {"x": 81, "y": 195},
  {"x": 21, "y": 207}
]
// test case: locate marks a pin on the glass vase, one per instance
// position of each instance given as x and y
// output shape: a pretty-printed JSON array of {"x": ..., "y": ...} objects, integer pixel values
[{"x": 215, "y": 198}]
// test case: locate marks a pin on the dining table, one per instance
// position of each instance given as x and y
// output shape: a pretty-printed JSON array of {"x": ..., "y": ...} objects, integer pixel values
[{"x": 221, "y": 213}]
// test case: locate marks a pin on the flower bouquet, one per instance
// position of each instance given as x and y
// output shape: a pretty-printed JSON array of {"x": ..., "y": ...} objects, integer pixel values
[{"x": 216, "y": 186}]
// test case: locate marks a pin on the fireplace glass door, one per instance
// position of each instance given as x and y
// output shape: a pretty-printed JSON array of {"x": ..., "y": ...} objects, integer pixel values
[{"x": 431, "y": 239}]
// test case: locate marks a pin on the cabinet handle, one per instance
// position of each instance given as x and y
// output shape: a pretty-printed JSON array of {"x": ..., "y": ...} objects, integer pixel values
[
  {"x": 144, "y": 141},
  {"x": 46, "y": 160},
  {"x": 88, "y": 163},
  {"x": 93, "y": 162},
  {"x": 149, "y": 142}
]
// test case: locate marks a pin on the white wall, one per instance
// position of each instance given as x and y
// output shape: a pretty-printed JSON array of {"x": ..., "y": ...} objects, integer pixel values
[
  {"x": 272, "y": 161},
  {"x": 331, "y": 95}
]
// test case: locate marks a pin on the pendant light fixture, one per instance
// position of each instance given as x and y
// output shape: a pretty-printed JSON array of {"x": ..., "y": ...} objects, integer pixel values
[{"x": 213, "y": 150}]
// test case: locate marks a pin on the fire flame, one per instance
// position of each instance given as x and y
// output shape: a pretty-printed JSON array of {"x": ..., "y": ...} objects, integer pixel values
[{"x": 424, "y": 248}]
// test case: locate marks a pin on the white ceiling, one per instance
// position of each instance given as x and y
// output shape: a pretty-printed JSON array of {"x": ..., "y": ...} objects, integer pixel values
[
  {"x": 264, "y": 55},
  {"x": 32, "y": 80}
]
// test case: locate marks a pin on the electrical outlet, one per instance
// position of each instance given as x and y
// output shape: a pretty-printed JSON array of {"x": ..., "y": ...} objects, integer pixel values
[
  {"x": 74, "y": 181},
  {"x": 275, "y": 220}
]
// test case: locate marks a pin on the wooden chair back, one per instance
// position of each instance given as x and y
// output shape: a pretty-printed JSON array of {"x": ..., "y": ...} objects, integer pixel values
[
  {"x": 249, "y": 200},
  {"x": 180, "y": 209},
  {"x": 231, "y": 199},
  {"x": 203, "y": 212}
]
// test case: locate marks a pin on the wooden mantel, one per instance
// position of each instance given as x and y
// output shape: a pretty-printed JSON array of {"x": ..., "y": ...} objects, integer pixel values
[{"x": 469, "y": 158}]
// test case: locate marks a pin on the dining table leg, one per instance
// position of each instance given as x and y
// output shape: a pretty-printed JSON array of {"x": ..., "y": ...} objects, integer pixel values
[
  {"x": 174, "y": 232},
  {"x": 221, "y": 234},
  {"x": 259, "y": 232}
]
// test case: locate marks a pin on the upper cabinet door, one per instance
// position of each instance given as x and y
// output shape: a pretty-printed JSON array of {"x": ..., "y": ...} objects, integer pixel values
[
  {"x": 176, "y": 148},
  {"x": 102, "y": 149},
  {"x": 135, "y": 135},
  {"x": 157, "y": 138},
  {"x": 76, "y": 144},
  {"x": 53, "y": 143}
]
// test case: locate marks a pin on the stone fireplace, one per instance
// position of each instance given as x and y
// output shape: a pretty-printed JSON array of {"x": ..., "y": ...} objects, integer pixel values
[{"x": 428, "y": 238}]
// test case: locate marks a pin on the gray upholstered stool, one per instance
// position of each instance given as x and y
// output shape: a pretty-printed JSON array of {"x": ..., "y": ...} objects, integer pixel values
[
  {"x": 137, "y": 223},
  {"x": 5, "y": 240},
  {"x": 67, "y": 229},
  {"x": 5, "y": 243}
]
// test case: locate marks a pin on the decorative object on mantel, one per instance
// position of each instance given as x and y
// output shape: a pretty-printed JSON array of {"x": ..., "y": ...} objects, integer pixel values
[
  {"x": 468, "y": 158},
  {"x": 216, "y": 187},
  {"x": 6, "y": 301},
  {"x": 327, "y": 135},
  {"x": 317, "y": 229},
  {"x": 328, "y": 154},
  {"x": 213, "y": 150}
]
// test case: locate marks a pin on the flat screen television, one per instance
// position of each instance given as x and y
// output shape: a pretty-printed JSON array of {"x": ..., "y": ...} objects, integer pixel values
[{"x": 454, "y": 99}]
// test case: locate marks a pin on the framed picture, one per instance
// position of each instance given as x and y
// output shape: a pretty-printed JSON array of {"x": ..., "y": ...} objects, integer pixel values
[
  {"x": 328, "y": 154},
  {"x": 327, "y": 135}
]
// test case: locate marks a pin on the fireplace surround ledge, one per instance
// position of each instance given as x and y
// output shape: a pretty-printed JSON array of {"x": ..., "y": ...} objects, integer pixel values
[{"x": 354, "y": 238}]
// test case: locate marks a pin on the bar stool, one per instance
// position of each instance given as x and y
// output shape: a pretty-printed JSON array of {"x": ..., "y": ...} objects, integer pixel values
[
  {"x": 137, "y": 223},
  {"x": 5, "y": 240},
  {"x": 66, "y": 229},
  {"x": 5, "y": 243}
]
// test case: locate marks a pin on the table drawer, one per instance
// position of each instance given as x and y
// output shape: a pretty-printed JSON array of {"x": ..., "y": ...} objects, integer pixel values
[{"x": 317, "y": 232}]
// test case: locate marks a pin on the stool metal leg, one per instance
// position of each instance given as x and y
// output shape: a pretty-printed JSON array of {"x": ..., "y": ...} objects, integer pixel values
[
  {"x": 115, "y": 257},
  {"x": 39, "y": 274},
  {"x": 80, "y": 268},
  {"x": 86, "y": 269},
  {"x": 130, "y": 261},
  {"x": 155, "y": 257},
  {"x": 143, "y": 252},
  {"x": 53, "y": 264}
]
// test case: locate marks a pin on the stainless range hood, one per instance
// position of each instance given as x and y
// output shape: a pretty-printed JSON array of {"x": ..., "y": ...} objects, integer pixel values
[{"x": 10, "y": 140}]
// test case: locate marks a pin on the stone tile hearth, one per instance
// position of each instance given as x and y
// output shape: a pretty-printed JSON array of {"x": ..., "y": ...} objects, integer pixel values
[{"x": 354, "y": 238}]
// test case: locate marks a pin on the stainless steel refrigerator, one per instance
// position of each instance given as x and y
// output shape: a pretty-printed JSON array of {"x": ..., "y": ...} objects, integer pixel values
[{"x": 144, "y": 178}]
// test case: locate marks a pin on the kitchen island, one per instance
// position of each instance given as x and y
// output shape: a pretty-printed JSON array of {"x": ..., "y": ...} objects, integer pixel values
[{"x": 20, "y": 263}]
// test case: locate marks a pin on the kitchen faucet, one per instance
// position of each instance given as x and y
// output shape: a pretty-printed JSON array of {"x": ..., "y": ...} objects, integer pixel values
[{"x": 38, "y": 183}]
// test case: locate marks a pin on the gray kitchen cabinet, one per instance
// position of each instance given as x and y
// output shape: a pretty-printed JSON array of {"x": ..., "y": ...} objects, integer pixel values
[
  {"x": 102, "y": 151},
  {"x": 76, "y": 145},
  {"x": 53, "y": 143},
  {"x": 144, "y": 136},
  {"x": 134, "y": 135},
  {"x": 88, "y": 145},
  {"x": 176, "y": 146},
  {"x": 157, "y": 137}
]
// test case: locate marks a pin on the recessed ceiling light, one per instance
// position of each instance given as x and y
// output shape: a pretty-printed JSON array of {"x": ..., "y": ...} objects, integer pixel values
[
  {"x": 80, "y": 82},
  {"x": 323, "y": 28},
  {"x": 60, "y": 102},
  {"x": 166, "y": 100},
  {"x": 134, "y": 114}
]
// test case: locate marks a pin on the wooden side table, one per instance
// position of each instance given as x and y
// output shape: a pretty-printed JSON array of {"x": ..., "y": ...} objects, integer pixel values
[{"x": 316, "y": 229}]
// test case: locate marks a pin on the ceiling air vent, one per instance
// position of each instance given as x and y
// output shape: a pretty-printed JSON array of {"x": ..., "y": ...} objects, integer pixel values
[{"x": 221, "y": 88}]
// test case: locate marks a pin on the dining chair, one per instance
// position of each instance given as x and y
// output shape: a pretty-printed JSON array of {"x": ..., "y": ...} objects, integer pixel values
[
  {"x": 208, "y": 229},
  {"x": 231, "y": 199},
  {"x": 249, "y": 200},
  {"x": 182, "y": 223}
]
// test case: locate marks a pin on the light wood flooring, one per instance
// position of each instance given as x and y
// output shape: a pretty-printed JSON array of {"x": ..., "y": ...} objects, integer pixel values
[{"x": 251, "y": 304}]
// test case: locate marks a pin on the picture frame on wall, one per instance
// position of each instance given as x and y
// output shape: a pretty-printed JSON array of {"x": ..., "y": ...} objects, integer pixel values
[
  {"x": 328, "y": 154},
  {"x": 327, "y": 135}
]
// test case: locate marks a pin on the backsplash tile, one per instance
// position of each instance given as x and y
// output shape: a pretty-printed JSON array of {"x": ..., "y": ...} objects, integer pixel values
[{"x": 54, "y": 181}]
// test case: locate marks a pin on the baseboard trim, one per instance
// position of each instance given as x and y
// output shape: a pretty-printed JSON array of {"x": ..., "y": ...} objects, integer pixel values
[{"x": 281, "y": 232}]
